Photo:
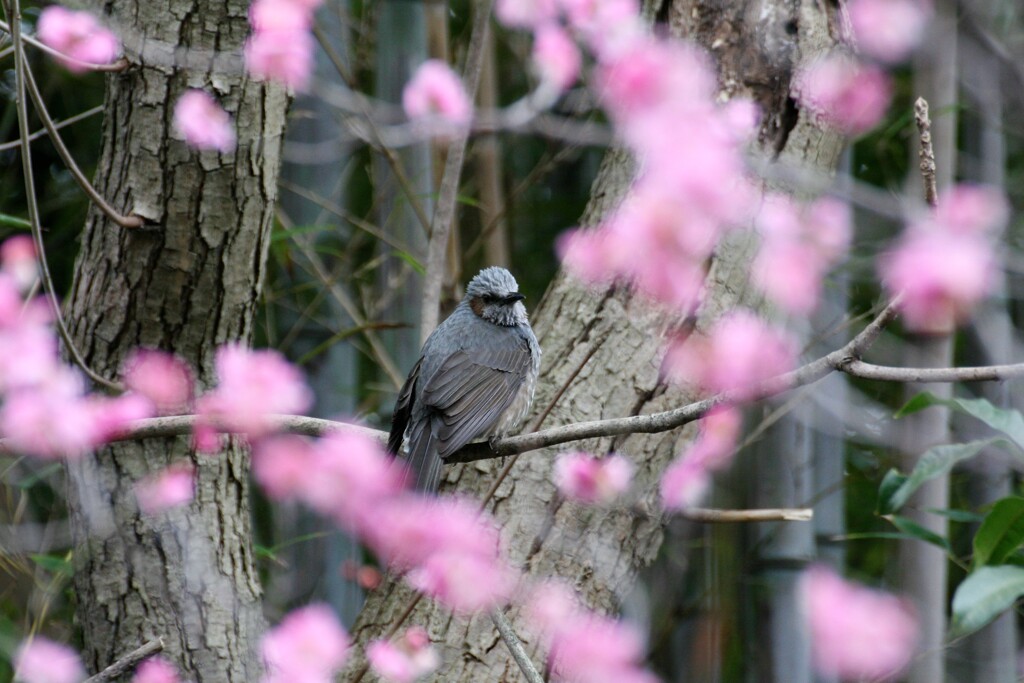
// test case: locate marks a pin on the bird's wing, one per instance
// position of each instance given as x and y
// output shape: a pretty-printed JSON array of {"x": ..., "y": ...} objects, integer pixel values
[
  {"x": 472, "y": 389},
  {"x": 403, "y": 410}
]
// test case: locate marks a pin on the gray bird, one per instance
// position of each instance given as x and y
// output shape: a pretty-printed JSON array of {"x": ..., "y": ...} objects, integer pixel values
[{"x": 475, "y": 378}]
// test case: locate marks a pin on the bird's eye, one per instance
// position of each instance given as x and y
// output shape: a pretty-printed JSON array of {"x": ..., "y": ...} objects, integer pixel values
[{"x": 489, "y": 298}]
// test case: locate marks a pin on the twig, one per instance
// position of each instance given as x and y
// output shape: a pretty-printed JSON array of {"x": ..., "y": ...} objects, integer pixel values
[
  {"x": 128, "y": 662},
  {"x": 444, "y": 211},
  {"x": 766, "y": 515},
  {"x": 69, "y": 160},
  {"x": 15, "y": 144},
  {"x": 986, "y": 373},
  {"x": 120, "y": 65},
  {"x": 20, "y": 70},
  {"x": 926, "y": 153},
  {"x": 515, "y": 646}
]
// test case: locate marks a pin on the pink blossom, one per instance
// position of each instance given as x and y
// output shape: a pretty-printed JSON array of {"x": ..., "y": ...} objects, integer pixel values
[
  {"x": 283, "y": 465},
  {"x": 254, "y": 386},
  {"x": 282, "y": 56},
  {"x": 856, "y": 633},
  {"x": 719, "y": 431},
  {"x": 202, "y": 122},
  {"x": 849, "y": 95},
  {"x": 737, "y": 354},
  {"x": 308, "y": 646},
  {"x": 435, "y": 90},
  {"x": 280, "y": 15},
  {"x": 609, "y": 26},
  {"x": 161, "y": 377},
  {"x": 78, "y": 36},
  {"x": 587, "y": 479},
  {"x": 464, "y": 582},
  {"x": 170, "y": 488},
  {"x": 941, "y": 277},
  {"x": 968, "y": 209},
  {"x": 112, "y": 416},
  {"x": 889, "y": 29},
  {"x": 556, "y": 56},
  {"x": 348, "y": 477},
  {"x": 28, "y": 351},
  {"x": 684, "y": 484},
  {"x": 525, "y": 13},
  {"x": 405, "y": 659},
  {"x": 43, "y": 661},
  {"x": 18, "y": 260},
  {"x": 50, "y": 420},
  {"x": 155, "y": 670}
]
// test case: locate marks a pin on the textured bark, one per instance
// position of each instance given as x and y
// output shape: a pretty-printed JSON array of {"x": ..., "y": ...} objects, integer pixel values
[
  {"x": 600, "y": 551},
  {"x": 187, "y": 283}
]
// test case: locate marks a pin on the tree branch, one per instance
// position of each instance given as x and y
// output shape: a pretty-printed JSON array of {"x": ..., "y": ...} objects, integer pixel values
[
  {"x": 515, "y": 646},
  {"x": 766, "y": 515},
  {"x": 119, "y": 65},
  {"x": 128, "y": 662},
  {"x": 926, "y": 153},
  {"x": 15, "y": 144}
]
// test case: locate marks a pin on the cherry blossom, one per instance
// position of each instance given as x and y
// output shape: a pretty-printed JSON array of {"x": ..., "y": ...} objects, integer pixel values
[
  {"x": 889, "y": 29},
  {"x": 556, "y": 56},
  {"x": 170, "y": 488},
  {"x": 684, "y": 484},
  {"x": 583, "y": 477},
  {"x": 525, "y": 13},
  {"x": 845, "y": 93},
  {"x": 202, "y": 122},
  {"x": 79, "y": 36},
  {"x": 283, "y": 56},
  {"x": 280, "y": 15},
  {"x": 404, "y": 659},
  {"x": 161, "y": 377},
  {"x": 856, "y": 633},
  {"x": 308, "y": 646},
  {"x": 18, "y": 260},
  {"x": 284, "y": 466},
  {"x": 436, "y": 90},
  {"x": 464, "y": 582},
  {"x": 972, "y": 209},
  {"x": 156, "y": 670},
  {"x": 43, "y": 661}
]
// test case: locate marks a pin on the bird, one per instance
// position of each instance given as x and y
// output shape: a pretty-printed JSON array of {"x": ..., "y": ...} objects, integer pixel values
[{"x": 475, "y": 378}]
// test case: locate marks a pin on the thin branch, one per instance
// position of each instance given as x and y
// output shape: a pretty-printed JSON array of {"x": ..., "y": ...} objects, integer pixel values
[
  {"x": 42, "y": 132},
  {"x": 20, "y": 69},
  {"x": 926, "y": 153},
  {"x": 128, "y": 662},
  {"x": 120, "y": 65},
  {"x": 515, "y": 646},
  {"x": 767, "y": 515},
  {"x": 986, "y": 373},
  {"x": 69, "y": 160},
  {"x": 444, "y": 211}
]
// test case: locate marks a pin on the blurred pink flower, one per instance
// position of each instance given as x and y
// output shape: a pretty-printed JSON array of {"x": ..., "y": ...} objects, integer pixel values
[
  {"x": 404, "y": 659},
  {"x": 283, "y": 465},
  {"x": 18, "y": 260},
  {"x": 113, "y": 415},
  {"x": 582, "y": 477},
  {"x": 972, "y": 209},
  {"x": 464, "y": 582},
  {"x": 436, "y": 90},
  {"x": 43, "y": 661},
  {"x": 50, "y": 420},
  {"x": 155, "y": 670},
  {"x": 942, "y": 276},
  {"x": 684, "y": 483},
  {"x": 889, "y": 29},
  {"x": 280, "y": 15},
  {"x": 609, "y": 26},
  {"x": 161, "y": 377},
  {"x": 202, "y": 122},
  {"x": 308, "y": 646},
  {"x": 856, "y": 633},
  {"x": 28, "y": 352},
  {"x": 282, "y": 56},
  {"x": 170, "y": 488},
  {"x": 77, "y": 35},
  {"x": 719, "y": 432},
  {"x": 847, "y": 94},
  {"x": 525, "y": 13},
  {"x": 254, "y": 386},
  {"x": 737, "y": 354},
  {"x": 556, "y": 56}
]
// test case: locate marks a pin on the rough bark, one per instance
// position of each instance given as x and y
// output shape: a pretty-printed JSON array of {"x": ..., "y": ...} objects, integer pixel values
[
  {"x": 186, "y": 283},
  {"x": 599, "y": 551}
]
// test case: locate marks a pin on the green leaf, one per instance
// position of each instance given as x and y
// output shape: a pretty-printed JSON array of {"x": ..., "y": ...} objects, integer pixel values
[
  {"x": 1009, "y": 422},
  {"x": 915, "y": 530},
  {"x": 935, "y": 462},
  {"x": 1001, "y": 533},
  {"x": 56, "y": 564},
  {"x": 964, "y": 516},
  {"x": 984, "y": 595},
  {"x": 891, "y": 483},
  {"x": 14, "y": 221}
]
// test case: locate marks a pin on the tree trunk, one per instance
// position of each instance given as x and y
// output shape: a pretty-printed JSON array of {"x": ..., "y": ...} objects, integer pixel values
[
  {"x": 186, "y": 283},
  {"x": 599, "y": 551}
]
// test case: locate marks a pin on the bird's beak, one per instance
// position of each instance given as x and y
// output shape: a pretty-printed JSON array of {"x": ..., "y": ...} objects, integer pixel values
[{"x": 512, "y": 298}]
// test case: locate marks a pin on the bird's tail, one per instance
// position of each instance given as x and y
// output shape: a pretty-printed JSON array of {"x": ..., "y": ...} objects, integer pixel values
[{"x": 423, "y": 460}]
